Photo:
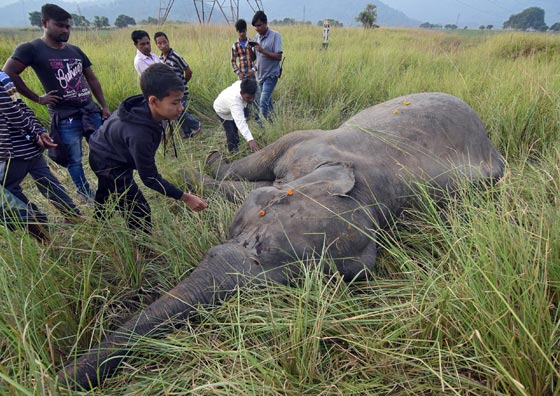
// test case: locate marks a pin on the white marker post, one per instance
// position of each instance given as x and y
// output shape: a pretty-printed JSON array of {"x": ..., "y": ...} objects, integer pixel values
[{"x": 326, "y": 28}]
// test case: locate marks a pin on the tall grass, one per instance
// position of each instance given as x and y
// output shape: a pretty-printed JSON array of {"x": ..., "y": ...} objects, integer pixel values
[{"x": 465, "y": 299}]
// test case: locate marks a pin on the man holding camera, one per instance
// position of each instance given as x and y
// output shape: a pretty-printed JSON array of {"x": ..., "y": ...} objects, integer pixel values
[{"x": 269, "y": 55}]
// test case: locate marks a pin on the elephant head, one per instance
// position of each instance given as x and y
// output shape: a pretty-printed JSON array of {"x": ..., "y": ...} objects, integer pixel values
[{"x": 293, "y": 220}]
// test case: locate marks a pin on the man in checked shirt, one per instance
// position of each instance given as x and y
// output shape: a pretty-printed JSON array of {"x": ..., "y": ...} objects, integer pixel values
[{"x": 242, "y": 53}]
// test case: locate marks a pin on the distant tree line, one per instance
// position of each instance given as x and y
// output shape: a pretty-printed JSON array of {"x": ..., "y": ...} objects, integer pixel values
[
  {"x": 289, "y": 21},
  {"x": 99, "y": 22},
  {"x": 332, "y": 22},
  {"x": 531, "y": 18}
]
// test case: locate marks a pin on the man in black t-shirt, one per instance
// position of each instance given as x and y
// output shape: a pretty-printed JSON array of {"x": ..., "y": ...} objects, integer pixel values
[{"x": 69, "y": 81}]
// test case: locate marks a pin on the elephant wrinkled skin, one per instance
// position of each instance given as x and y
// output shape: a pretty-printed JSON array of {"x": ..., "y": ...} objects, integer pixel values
[{"x": 311, "y": 192}]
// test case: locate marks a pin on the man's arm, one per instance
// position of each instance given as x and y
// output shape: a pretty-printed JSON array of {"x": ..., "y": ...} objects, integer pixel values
[
  {"x": 20, "y": 117},
  {"x": 14, "y": 68},
  {"x": 233, "y": 60},
  {"x": 95, "y": 86},
  {"x": 272, "y": 55},
  {"x": 142, "y": 152},
  {"x": 188, "y": 74},
  {"x": 276, "y": 48},
  {"x": 241, "y": 123},
  {"x": 185, "y": 66},
  {"x": 139, "y": 66}
]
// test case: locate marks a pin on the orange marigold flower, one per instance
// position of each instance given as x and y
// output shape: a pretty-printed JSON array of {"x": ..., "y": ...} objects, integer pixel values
[
  {"x": 262, "y": 213},
  {"x": 290, "y": 192}
]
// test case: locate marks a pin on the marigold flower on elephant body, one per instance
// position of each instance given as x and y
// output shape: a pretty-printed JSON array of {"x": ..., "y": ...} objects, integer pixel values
[
  {"x": 395, "y": 111},
  {"x": 262, "y": 213},
  {"x": 290, "y": 192},
  {"x": 406, "y": 103}
]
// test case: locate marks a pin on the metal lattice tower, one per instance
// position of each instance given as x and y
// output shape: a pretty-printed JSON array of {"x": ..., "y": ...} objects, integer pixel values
[
  {"x": 164, "y": 9},
  {"x": 229, "y": 9},
  {"x": 205, "y": 9}
]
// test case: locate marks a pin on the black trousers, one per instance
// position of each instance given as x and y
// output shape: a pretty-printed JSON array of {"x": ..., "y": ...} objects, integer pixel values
[
  {"x": 119, "y": 183},
  {"x": 232, "y": 134}
]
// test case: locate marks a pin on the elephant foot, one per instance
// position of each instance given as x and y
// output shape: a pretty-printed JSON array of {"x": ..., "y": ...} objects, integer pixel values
[
  {"x": 214, "y": 160},
  {"x": 193, "y": 179}
]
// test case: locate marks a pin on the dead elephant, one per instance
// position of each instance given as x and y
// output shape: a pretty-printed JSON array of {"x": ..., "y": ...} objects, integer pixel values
[{"x": 313, "y": 191}]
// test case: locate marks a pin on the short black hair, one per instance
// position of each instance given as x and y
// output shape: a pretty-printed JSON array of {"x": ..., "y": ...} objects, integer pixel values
[
  {"x": 160, "y": 80},
  {"x": 138, "y": 35},
  {"x": 160, "y": 34},
  {"x": 259, "y": 16},
  {"x": 54, "y": 12},
  {"x": 249, "y": 86},
  {"x": 241, "y": 25}
]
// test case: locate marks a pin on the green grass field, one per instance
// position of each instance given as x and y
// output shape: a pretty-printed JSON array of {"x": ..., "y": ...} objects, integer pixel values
[{"x": 465, "y": 302}]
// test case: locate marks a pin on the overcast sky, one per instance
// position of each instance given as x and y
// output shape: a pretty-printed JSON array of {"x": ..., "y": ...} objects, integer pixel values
[
  {"x": 398, "y": 4},
  {"x": 437, "y": 11},
  {"x": 6, "y": 2}
]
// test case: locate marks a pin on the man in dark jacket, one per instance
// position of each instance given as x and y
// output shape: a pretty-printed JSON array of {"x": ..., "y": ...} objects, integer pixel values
[{"x": 129, "y": 140}]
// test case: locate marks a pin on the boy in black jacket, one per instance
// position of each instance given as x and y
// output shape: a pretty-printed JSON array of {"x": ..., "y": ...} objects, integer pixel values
[{"x": 129, "y": 140}]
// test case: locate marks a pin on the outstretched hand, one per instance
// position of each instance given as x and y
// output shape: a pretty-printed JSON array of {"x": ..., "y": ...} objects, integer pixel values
[
  {"x": 194, "y": 202},
  {"x": 253, "y": 146}
]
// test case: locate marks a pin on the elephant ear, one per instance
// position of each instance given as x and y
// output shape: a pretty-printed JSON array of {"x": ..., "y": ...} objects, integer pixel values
[{"x": 335, "y": 178}]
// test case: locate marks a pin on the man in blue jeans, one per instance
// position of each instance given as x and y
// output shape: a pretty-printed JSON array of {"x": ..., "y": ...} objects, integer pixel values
[
  {"x": 22, "y": 141},
  {"x": 269, "y": 55},
  {"x": 69, "y": 81},
  {"x": 13, "y": 213}
]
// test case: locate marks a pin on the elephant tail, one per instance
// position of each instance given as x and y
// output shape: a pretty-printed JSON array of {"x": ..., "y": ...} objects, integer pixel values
[{"x": 223, "y": 269}]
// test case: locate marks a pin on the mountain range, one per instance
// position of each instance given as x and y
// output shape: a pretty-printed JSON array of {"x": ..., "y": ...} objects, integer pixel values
[{"x": 471, "y": 13}]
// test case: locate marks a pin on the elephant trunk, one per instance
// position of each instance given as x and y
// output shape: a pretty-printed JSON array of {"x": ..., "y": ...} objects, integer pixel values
[{"x": 223, "y": 269}]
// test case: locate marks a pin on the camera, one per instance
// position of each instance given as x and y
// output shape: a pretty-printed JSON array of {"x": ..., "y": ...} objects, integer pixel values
[{"x": 252, "y": 43}]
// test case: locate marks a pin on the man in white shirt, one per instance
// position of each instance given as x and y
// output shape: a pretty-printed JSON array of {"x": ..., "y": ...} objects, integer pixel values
[
  {"x": 230, "y": 107},
  {"x": 144, "y": 55}
]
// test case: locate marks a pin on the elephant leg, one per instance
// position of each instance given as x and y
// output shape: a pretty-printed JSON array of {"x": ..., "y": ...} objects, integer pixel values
[
  {"x": 359, "y": 268},
  {"x": 255, "y": 167},
  {"x": 233, "y": 190},
  {"x": 217, "y": 163}
]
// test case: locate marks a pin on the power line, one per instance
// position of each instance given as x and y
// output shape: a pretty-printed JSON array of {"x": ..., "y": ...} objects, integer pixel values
[{"x": 475, "y": 8}]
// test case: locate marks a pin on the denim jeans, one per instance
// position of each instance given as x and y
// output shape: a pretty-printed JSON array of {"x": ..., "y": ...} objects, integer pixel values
[
  {"x": 46, "y": 182},
  {"x": 266, "y": 87},
  {"x": 13, "y": 210},
  {"x": 71, "y": 133}
]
